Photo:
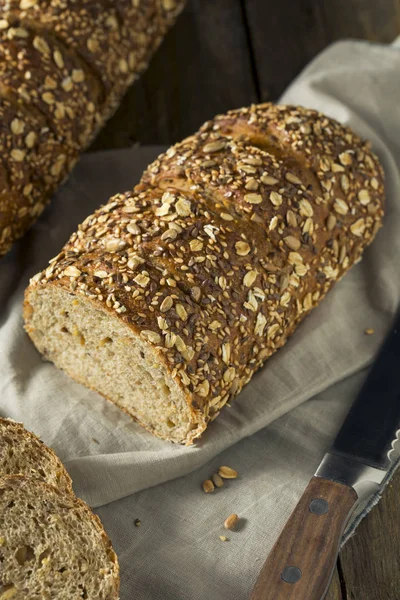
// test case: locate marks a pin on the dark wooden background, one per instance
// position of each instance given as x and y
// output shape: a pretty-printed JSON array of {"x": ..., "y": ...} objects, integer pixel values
[{"x": 224, "y": 54}]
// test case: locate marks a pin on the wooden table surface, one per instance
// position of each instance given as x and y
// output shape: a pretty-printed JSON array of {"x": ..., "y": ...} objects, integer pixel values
[{"x": 224, "y": 54}]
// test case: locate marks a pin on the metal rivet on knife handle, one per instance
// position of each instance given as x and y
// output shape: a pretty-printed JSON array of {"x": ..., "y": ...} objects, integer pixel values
[
  {"x": 291, "y": 574},
  {"x": 319, "y": 506}
]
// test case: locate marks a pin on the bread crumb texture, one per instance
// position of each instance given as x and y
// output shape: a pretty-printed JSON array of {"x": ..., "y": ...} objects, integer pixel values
[
  {"x": 51, "y": 546},
  {"x": 23, "y": 453}
]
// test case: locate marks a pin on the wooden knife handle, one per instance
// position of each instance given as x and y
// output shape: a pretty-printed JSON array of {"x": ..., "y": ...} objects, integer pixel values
[{"x": 301, "y": 563}]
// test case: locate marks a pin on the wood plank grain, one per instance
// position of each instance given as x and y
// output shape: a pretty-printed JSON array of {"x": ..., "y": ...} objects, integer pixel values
[
  {"x": 285, "y": 36},
  {"x": 202, "y": 68},
  {"x": 365, "y": 19},
  {"x": 335, "y": 592},
  {"x": 370, "y": 560}
]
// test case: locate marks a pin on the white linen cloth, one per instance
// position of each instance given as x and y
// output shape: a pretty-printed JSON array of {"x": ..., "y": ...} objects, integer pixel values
[{"x": 291, "y": 409}]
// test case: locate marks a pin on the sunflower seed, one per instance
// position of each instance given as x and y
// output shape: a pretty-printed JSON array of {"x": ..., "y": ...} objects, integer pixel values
[
  {"x": 208, "y": 486},
  {"x": 181, "y": 312},
  {"x": 291, "y": 218},
  {"x": 292, "y": 242},
  {"x": 214, "y": 146},
  {"x": 41, "y": 45},
  {"x": 133, "y": 228},
  {"x": 231, "y": 521},
  {"x": 330, "y": 222},
  {"x": 283, "y": 282},
  {"x": 345, "y": 183},
  {"x": 273, "y": 223},
  {"x": 226, "y": 352},
  {"x": 227, "y": 473},
  {"x": 292, "y": 178},
  {"x": 166, "y": 304},
  {"x": 342, "y": 254},
  {"x": 217, "y": 480},
  {"x": 58, "y": 59},
  {"x": 267, "y": 179}
]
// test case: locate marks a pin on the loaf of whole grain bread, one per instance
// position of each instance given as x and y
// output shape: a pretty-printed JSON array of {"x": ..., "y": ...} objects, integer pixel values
[
  {"x": 169, "y": 297},
  {"x": 64, "y": 67}
]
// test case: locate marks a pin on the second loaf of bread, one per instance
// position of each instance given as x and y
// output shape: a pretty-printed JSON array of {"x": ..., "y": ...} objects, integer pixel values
[
  {"x": 64, "y": 67},
  {"x": 169, "y": 298}
]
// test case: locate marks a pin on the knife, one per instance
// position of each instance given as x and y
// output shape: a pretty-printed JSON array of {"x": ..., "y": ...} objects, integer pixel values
[{"x": 302, "y": 561}]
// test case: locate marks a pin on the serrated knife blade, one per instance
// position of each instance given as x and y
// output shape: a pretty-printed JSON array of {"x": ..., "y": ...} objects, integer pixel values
[
  {"x": 301, "y": 563},
  {"x": 373, "y": 422}
]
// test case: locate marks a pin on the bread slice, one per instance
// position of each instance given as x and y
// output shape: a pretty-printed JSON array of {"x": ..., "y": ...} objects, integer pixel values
[
  {"x": 52, "y": 547},
  {"x": 22, "y": 452}
]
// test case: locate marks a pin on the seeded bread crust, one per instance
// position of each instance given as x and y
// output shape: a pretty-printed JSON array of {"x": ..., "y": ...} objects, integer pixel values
[
  {"x": 23, "y": 453},
  {"x": 227, "y": 243},
  {"x": 52, "y": 546},
  {"x": 64, "y": 67}
]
